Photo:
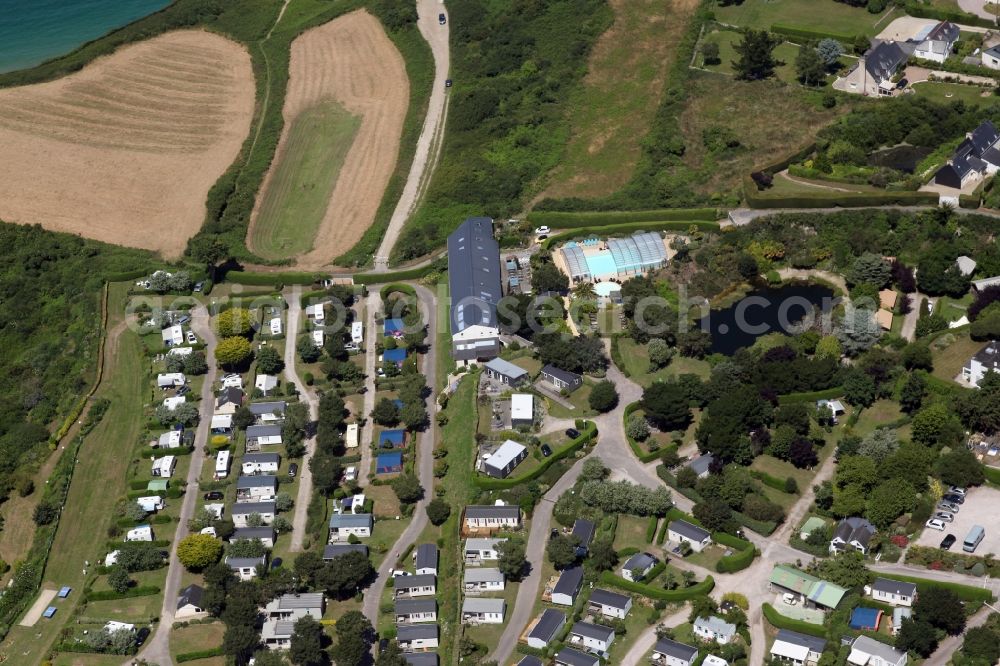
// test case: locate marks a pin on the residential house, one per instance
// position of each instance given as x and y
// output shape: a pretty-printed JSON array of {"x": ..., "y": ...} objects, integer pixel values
[
  {"x": 417, "y": 637},
  {"x": 609, "y": 604},
  {"x": 985, "y": 360},
  {"x": 976, "y": 157},
  {"x": 812, "y": 591},
  {"x": 966, "y": 265},
  {"x": 425, "y": 559},
  {"x": 265, "y": 383},
  {"x": 568, "y": 586},
  {"x": 164, "y": 467},
  {"x": 937, "y": 44},
  {"x": 172, "y": 335},
  {"x": 169, "y": 440},
  {"x": 256, "y": 488},
  {"x": 546, "y": 628},
  {"x": 681, "y": 531},
  {"x": 835, "y": 407},
  {"x": 343, "y": 525},
  {"x": 222, "y": 424},
  {"x": 334, "y": 550},
  {"x": 638, "y": 566},
  {"x": 253, "y": 464},
  {"x": 894, "y": 592},
  {"x": 867, "y": 651},
  {"x": 265, "y": 535},
  {"x": 502, "y": 462},
  {"x": 873, "y": 74},
  {"x": 483, "y": 611},
  {"x": 713, "y": 628},
  {"x": 151, "y": 504},
  {"x": 701, "y": 464},
  {"x": 424, "y": 585},
  {"x": 480, "y": 550},
  {"x": 798, "y": 649},
  {"x": 492, "y": 516},
  {"x": 168, "y": 380},
  {"x": 189, "y": 604},
  {"x": 854, "y": 532},
  {"x": 480, "y": 580},
  {"x": 140, "y": 533},
  {"x": 268, "y": 413},
  {"x": 991, "y": 57},
  {"x": 505, "y": 372},
  {"x": 522, "y": 410},
  {"x": 583, "y": 532},
  {"x": 474, "y": 281},
  {"x": 593, "y": 637},
  {"x": 672, "y": 653},
  {"x": 243, "y": 512},
  {"x": 222, "y": 464},
  {"x": 979, "y": 285},
  {"x": 282, "y": 613},
  {"x": 570, "y": 657},
  {"x": 415, "y": 610},
  {"x": 263, "y": 435},
  {"x": 172, "y": 402},
  {"x": 563, "y": 380},
  {"x": 245, "y": 568},
  {"x": 229, "y": 400}
]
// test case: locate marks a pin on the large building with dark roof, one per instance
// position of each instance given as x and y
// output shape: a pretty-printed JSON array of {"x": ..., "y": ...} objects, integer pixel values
[
  {"x": 474, "y": 279},
  {"x": 977, "y": 156}
]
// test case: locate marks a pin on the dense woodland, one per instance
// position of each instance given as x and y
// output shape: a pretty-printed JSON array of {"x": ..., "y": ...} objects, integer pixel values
[{"x": 50, "y": 326}]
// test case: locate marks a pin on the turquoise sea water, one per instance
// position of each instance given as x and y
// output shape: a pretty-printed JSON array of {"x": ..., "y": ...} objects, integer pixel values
[{"x": 32, "y": 31}]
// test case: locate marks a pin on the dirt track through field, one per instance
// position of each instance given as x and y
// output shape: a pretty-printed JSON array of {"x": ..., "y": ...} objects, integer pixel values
[
  {"x": 126, "y": 150},
  {"x": 352, "y": 61}
]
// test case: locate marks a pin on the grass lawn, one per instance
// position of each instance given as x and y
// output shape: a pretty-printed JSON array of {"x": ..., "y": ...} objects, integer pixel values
[
  {"x": 785, "y": 53},
  {"x": 489, "y": 634},
  {"x": 953, "y": 308},
  {"x": 635, "y": 624},
  {"x": 876, "y": 416},
  {"x": 386, "y": 502},
  {"x": 823, "y": 16},
  {"x": 68, "y": 659},
  {"x": 631, "y": 532},
  {"x": 578, "y": 398},
  {"x": 636, "y": 359},
  {"x": 706, "y": 558},
  {"x": 384, "y": 535},
  {"x": 613, "y": 108},
  {"x": 103, "y": 465},
  {"x": 196, "y": 637},
  {"x": 782, "y": 469},
  {"x": 746, "y": 109},
  {"x": 529, "y": 363},
  {"x": 939, "y": 91},
  {"x": 951, "y": 351},
  {"x": 294, "y": 202}
]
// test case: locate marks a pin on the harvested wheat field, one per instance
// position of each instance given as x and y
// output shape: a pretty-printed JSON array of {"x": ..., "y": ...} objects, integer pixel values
[
  {"x": 349, "y": 91},
  {"x": 125, "y": 150}
]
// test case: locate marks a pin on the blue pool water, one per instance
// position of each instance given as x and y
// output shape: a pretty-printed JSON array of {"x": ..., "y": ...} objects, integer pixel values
[
  {"x": 32, "y": 31},
  {"x": 601, "y": 264}
]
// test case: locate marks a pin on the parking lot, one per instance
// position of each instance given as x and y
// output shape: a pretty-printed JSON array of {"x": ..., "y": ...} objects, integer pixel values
[{"x": 980, "y": 508}]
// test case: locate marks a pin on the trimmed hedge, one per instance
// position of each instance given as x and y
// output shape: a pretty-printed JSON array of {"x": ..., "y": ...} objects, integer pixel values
[
  {"x": 569, "y": 220},
  {"x": 395, "y": 276},
  {"x": 696, "y": 590},
  {"x": 159, "y": 453},
  {"x": 756, "y": 199},
  {"x": 636, "y": 449},
  {"x": 651, "y": 529},
  {"x": 200, "y": 654},
  {"x": 502, "y": 484},
  {"x": 397, "y": 286},
  {"x": 111, "y": 595},
  {"x": 628, "y": 227},
  {"x": 616, "y": 355},
  {"x": 737, "y": 561},
  {"x": 272, "y": 279},
  {"x": 746, "y": 551},
  {"x": 992, "y": 474},
  {"x": 811, "y": 396},
  {"x": 779, "y": 621},
  {"x": 772, "y": 481},
  {"x": 811, "y": 35},
  {"x": 662, "y": 534}
]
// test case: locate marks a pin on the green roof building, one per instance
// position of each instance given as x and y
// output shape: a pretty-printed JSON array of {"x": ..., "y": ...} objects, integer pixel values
[{"x": 819, "y": 592}]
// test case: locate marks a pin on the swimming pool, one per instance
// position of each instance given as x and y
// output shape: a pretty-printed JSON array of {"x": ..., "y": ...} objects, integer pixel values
[{"x": 601, "y": 265}]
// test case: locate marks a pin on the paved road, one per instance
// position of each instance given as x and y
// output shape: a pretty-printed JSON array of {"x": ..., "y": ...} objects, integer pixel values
[
  {"x": 157, "y": 650},
  {"x": 977, "y": 7},
  {"x": 431, "y": 135},
  {"x": 425, "y": 463},
  {"x": 294, "y": 298},
  {"x": 371, "y": 359},
  {"x": 647, "y": 639},
  {"x": 947, "y": 647}
]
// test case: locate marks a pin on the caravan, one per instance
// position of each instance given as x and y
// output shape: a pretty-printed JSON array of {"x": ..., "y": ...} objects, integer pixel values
[{"x": 222, "y": 465}]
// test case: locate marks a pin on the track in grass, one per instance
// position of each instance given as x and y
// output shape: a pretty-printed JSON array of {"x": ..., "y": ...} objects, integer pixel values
[{"x": 296, "y": 198}]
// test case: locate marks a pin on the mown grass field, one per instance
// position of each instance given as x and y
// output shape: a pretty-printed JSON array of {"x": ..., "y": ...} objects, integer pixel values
[
  {"x": 611, "y": 112},
  {"x": 811, "y": 14},
  {"x": 727, "y": 40},
  {"x": 296, "y": 197},
  {"x": 939, "y": 91},
  {"x": 197, "y": 637},
  {"x": 636, "y": 359}
]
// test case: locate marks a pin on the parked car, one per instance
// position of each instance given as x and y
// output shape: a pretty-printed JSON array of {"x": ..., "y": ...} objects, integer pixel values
[
  {"x": 351, "y": 473},
  {"x": 789, "y": 598},
  {"x": 902, "y": 84},
  {"x": 947, "y": 506},
  {"x": 184, "y": 390},
  {"x": 293, "y": 469},
  {"x": 955, "y": 490},
  {"x": 572, "y": 433},
  {"x": 544, "y": 229},
  {"x": 954, "y": 498},
  {"x": 198, "y": 286},
  {"x": 214, "y": 495},
  {"x": 935, "y": 524},
  {"x": 946, "y": 516},
  {"x": 442, "y": 19},
  {"x": 399, "y": 573},
  {"x": 447, "y": 83},
  {"x": 546, "y": 450},
  {"x": 184, "y": 319},
  {"x": 141, "y": 635},
  {"x": 947, "y": 542},
  {"x": 192, "y": 338}
]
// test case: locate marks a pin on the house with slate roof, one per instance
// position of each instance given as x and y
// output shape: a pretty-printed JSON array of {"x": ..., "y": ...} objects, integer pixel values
[
  {"x": 681, "y": 531},
  {"x": 671, "y": 653},
  {"x": 852, "y": 533},
  {"x": 873, "y": 74},
  {"x": 568, "y": 586},
  {"x": 609, "y": 604},
  {"x": 977, "y": 157},
  {"x": 415, "y": 610},
  {"x": 894, "y": 592},
  {"x": 546, "y": 628},
  {"x": 570, "y": 657},
  {"x": 592, "y": 637},
  {"x": 797, "y": 649}
]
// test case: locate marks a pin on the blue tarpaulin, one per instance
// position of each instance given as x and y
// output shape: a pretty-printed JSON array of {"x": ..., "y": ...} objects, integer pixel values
[
  {"x": 389, "y": 463},
  {"x": 865, "y": 618}
]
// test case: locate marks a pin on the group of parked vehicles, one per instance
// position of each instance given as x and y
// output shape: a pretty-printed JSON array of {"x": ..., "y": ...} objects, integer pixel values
[{"x": 949, "y": 505}]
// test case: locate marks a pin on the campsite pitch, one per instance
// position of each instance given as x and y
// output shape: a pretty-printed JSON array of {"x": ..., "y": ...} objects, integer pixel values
[
  {"x": 126, "y": 150},
  {"x": 34, "y": 613}
]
